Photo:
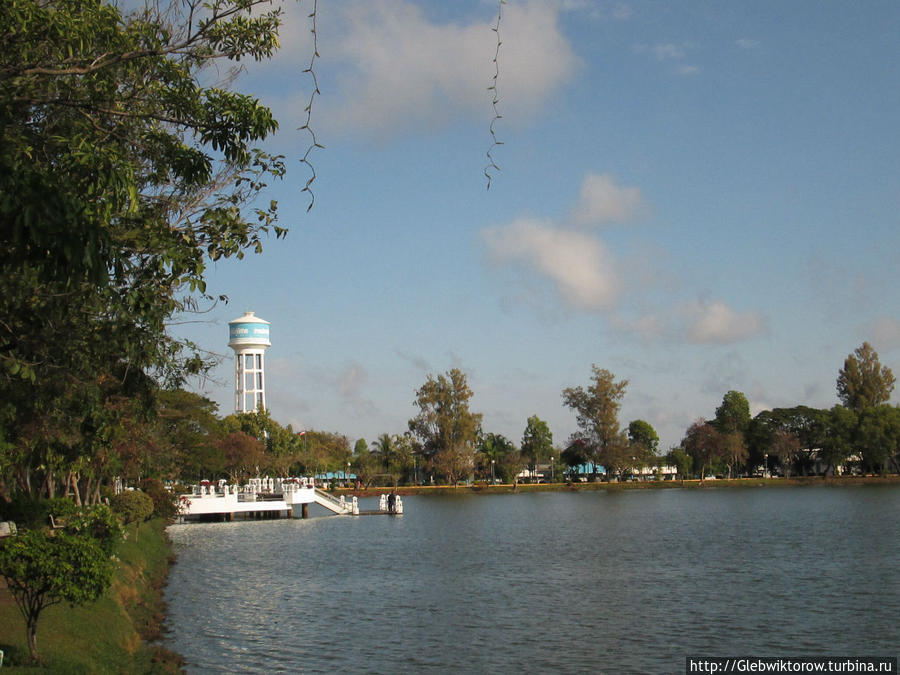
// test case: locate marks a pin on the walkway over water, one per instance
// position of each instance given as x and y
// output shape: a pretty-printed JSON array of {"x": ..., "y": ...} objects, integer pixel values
[{"x": 270, "y": 498}]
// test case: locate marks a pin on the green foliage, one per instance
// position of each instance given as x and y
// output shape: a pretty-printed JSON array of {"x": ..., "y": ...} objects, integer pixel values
[
  {"x": 499, "y": 456},
  {"x": 132, "y": 506},
  {"x": 43, "y": 569},
  {"x": 575, "y": 454},
  {"x": 537, "y": 441},
  {"x": 733, "y": 415},
  {"x": 445, "y": 426},
  {"x": 838, "y": 441},
  {"x": 643, "y": 439},
  {"x": 597, "y": 415},
  {"x": 97, "y": 522},
  {"x": 678, "y": 458},
  {"x": 863, "y": 382},
  {"x": 878, "y": 436},
  {"x": 706, "y": 446},
  {"x": 124, "y": 169},
  {"x": 165, "y": 502}
]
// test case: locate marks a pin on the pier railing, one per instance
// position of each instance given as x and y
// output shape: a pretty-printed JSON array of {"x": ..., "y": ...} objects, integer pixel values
[{"x": 332, "y": 503}]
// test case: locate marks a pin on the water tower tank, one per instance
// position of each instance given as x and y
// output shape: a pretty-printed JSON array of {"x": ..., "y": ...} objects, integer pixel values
[{"x": 248, "y": 336}]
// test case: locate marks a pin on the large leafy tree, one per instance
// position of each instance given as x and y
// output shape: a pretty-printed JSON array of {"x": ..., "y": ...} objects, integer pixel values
[
  {"x": 597, "y": 415},
  {"x": 863, "y": 382},
  {"x": 124, "y": 168},
  {"x": 446, "y": 427},
  {"x": 705, "y": 444}
]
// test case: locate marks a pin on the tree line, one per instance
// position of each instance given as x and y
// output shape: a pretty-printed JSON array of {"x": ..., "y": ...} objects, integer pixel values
[{"x": 862, "y": 432}]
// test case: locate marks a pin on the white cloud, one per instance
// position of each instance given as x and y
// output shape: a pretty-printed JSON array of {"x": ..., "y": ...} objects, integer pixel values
[
  {"x": 717, "y": 323},
  {"x": 602, "y": 201},
  {"x": 579, "y": 264},
  {"x": 398, "y": 69}
]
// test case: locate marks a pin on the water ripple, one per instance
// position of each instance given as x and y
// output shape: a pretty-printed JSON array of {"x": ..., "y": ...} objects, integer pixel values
[{"x": 583, "y": 582}]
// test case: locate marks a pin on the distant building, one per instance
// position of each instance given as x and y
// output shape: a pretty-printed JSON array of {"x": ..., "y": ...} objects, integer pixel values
[{"x": 248, "y": 336}]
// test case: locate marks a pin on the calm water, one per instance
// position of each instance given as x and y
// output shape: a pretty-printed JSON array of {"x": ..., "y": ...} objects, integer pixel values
[{"x": 563, "y": 582}]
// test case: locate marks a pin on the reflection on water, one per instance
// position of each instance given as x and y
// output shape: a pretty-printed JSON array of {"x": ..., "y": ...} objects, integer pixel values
[{"x": 613, "y": 582}]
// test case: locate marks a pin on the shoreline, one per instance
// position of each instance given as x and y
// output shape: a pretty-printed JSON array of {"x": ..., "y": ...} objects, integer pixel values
[{"x": 695, "y": 483}]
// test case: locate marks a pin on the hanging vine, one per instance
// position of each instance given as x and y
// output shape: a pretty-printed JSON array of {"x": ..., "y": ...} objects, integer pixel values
[
  {"x": 495, "y": 142},
  {"x": 314, "y": 143}
]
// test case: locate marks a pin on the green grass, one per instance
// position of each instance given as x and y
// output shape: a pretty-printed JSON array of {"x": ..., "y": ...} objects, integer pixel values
[{"x": 107, "y": 636}]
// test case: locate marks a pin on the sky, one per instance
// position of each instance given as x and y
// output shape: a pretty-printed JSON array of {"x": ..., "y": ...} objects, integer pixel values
[{"x": 696, "y": 196}]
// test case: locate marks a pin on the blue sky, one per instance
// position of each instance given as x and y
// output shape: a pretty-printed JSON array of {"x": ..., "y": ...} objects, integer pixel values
[{"x": 697, "y": 196}]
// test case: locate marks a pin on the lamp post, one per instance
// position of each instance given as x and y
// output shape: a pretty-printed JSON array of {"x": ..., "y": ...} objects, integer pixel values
[
  {"x": 492, "y": 472},
  {"x": 552, "y": 475}
]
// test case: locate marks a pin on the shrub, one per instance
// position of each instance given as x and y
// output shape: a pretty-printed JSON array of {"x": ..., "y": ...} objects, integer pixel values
[
  {"x": 98, "y": 522},
  {"x": 132, "y": 506},
  {"x": 165, "y": 502}
]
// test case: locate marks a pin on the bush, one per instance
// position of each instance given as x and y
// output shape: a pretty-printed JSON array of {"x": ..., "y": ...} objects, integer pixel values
[
  {"x": 132, "y": 506},
  {"x": 165, "y": 502},
  {"x": 98, "y": 522}
]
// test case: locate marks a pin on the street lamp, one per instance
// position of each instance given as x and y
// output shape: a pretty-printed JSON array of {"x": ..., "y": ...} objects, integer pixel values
[{"x": 492, "y": 472}]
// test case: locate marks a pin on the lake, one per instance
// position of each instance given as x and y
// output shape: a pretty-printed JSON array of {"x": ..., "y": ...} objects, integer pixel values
[{"x": 599, "y": 581}]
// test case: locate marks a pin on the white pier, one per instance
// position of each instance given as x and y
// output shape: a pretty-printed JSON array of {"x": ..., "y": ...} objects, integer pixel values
[{"x": 269, "y": 498}]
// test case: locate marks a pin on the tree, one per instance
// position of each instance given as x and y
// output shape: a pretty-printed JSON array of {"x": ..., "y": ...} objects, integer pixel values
[
  {"x": 574, "y": 455},
  {"x": 447, "y": 429},
  {"x": 863, "y": 382},
  {"x": 43, "y": 569},
  {"x": 596, "y": 411},
  {"x": 537, "y": 442},
  {"x": 733, "y": 415},
  {"x": 786, "y": 447},
  {"x": 807, "y": 425},
  {"x": 244, "y": 455},
  {"x": 681, "y": 460},
  {"x": 838, "y": 442},
  {"x": 132, "y": 506},
  {"x": 395, "y": 453},
  {"x": 643, "y": 442},
  {"x": 499, "y": 458},
  {"x": 878, "y": 436},
  {"x": 366, "y": 466},
  {"x": 705, "y": 444},
  {"x": 124, "y": 169}
]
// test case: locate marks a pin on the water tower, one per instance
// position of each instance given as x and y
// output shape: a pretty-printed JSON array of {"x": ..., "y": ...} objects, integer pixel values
[{"x": 248, "y": 336}]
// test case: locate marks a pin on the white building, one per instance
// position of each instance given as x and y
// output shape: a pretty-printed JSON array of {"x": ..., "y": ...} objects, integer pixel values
[{"x": 249, "y": 338}]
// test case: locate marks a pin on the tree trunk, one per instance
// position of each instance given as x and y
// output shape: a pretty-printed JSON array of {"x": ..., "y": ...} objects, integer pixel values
[
  {"x": 74, "y": 477},
  {"x": 31, "y": 630}
]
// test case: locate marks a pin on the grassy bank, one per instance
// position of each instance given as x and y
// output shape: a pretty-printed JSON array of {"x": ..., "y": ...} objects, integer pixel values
[
  {"x": 112, "y": 635},
  {"x": 483, "y": 488}
]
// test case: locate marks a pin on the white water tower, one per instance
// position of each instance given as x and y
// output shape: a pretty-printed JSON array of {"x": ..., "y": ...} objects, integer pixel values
[{"x": 248, "y": 336}]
